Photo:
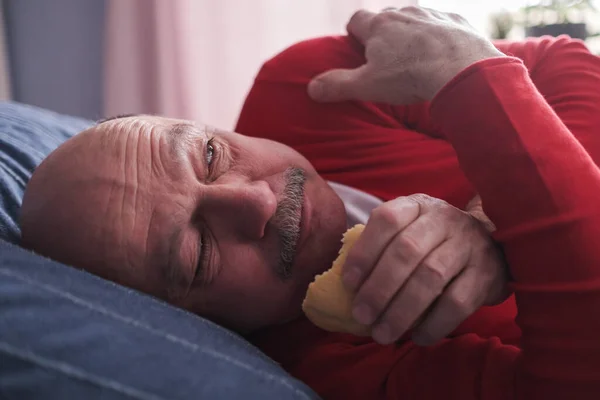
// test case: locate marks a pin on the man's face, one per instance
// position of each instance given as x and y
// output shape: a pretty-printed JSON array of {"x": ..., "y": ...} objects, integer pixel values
[{"x": 227, "y": 226}]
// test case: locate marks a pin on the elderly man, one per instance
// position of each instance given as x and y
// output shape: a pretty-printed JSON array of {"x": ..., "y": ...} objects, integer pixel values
[{"x": 234, "y": 228}]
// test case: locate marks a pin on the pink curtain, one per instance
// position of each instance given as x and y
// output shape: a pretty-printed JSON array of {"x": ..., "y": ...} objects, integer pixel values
[{"x": 196, "y": 59}]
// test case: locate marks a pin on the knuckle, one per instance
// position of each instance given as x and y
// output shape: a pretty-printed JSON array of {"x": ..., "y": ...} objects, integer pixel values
[
  {"x": 386, "y": 215},
  {"x": 462, "y": 304},
  {"x": 430, "y": 203},
  {"x": 451, "y": 213},
  {"x": 422, "y": 198},
  {"x": 375, "y": 299},
  {"x": 461, "y": 221},
  {"x": 408, "y": 247},
  {"x": 457, "y": 17},
  {"x": 433, "y": 273},
  {"x": 413, "y": 10},
  {"x": 382, "y": 19},
  {"x": 447, "y": 215},
  {"x": 359, "y": 15},
  {"x": 358, "y": 259},
  {"x": 443, "y": 206},
  {"x": 402, "y": 255}
]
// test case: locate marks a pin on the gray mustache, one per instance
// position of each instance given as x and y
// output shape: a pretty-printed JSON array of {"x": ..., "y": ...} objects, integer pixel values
[{"x": 287, "y": 219}]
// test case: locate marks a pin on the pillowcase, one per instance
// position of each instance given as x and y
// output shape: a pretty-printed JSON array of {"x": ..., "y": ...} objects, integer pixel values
[
  {"x": 27, "y": 135},
  {"x": 67, "y": 334}
]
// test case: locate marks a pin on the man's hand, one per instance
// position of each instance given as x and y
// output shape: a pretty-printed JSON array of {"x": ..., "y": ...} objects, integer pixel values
[
  {"x": 422, "y": 263},
  {"x": 411, "y": 54}
]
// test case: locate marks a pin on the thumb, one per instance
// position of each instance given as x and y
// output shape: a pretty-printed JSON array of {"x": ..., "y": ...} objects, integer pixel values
[{"x": 337, "y": 85}]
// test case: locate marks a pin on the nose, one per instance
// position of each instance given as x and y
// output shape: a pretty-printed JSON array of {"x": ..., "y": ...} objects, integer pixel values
[{"x": 244, "y": 208}]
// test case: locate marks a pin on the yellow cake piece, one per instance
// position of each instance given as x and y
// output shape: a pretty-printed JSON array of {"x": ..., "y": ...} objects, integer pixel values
[{"x": 328, "y": 304}]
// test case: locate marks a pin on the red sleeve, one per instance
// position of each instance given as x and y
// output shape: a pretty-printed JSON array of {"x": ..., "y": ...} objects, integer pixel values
[
  {"x": 540, "y": 187},
  {"x": 566, "y": 75},
  {"x": 521, "y": 147}
]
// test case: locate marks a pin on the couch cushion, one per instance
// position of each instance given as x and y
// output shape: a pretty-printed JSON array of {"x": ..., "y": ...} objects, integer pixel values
[{"x": 27, "y": 135}]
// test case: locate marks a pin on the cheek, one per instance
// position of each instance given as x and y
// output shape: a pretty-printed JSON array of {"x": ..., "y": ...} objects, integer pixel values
[
  {"x": 246, "y": 292},
  {"x": 292, "y": 157},
  {"x": 243, "y": 267},
  {"x": 267, "y": 157}
]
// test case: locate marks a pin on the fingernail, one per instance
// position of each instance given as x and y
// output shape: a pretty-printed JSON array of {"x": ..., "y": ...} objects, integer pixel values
[
  {"x": 351, "y": 277},
  {"x": 382, "y": 334},
  {"x": 316, "y": 89},
  {"x": 363, "y": 314}
]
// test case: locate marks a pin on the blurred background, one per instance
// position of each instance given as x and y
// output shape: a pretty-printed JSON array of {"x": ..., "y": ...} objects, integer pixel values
[{"x": 196, "y": 59}]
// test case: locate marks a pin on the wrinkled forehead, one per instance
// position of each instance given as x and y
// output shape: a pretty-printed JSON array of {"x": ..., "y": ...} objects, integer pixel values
[
  {"x": 132, "y": 171},
  {"x": 146, "y": 152},
  {"x": 177, "y": 134},
  {"x": 150, "y": 122},
  {"x": 114, "y": 127}
]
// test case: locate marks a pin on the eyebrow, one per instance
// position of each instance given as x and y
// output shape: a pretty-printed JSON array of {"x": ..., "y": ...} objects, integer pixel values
[{"x": 180, "y": 134}]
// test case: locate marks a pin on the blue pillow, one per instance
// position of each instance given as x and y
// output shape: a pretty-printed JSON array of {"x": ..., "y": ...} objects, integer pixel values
[
  {"x": 27, "y": 135},
  {"x": 66, "y": 334}
]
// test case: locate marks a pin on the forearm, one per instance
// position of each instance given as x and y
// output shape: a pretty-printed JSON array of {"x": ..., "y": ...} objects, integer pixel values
[
  {"x": 525, "y": 163},
  {"x": 539, "y": 187}
]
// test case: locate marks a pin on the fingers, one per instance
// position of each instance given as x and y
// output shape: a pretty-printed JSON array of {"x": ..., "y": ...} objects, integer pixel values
[
  {"x": 483, "y": 281},
  {"x": 421, "y": 262},
  {"x": 421, "y": 290},
  {"x": 461, "y": 298},
  {"x": 383, "y": 225},
  {"x": 430, "y": 12},
  {"x": 359, "y": 25},
  {"x": 416, "y": 11},
  {"x": 352, "y": 84},
  {"x": 398, "y": 261},
  {"x": 342, "y": 85}
]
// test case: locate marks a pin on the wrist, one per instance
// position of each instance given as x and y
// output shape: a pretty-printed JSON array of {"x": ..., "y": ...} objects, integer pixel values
[{"x": 452, "y": 69}]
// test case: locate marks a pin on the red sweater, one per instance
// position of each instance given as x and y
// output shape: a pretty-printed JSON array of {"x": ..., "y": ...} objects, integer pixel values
[{"x": 526, "y": 134}]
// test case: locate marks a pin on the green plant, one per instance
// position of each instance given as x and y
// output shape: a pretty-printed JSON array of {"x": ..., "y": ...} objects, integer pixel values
[{"x": 560, "y": 8}]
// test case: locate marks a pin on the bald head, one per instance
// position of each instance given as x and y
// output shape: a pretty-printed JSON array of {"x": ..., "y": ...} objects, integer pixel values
[{"x": 79, "y": 207}]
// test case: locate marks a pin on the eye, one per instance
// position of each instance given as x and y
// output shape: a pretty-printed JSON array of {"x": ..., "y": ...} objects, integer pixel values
[
  {"x": 204, "y": 249},
  {"x": 210, "y": 152}
]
